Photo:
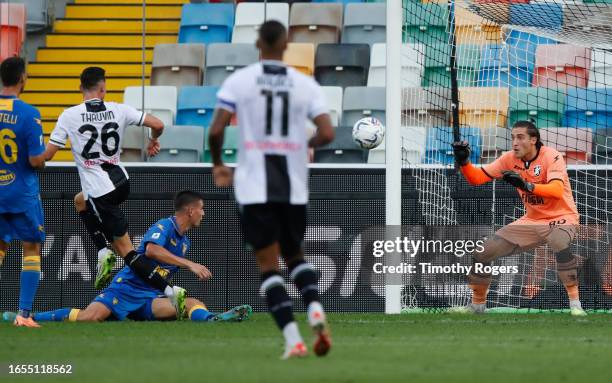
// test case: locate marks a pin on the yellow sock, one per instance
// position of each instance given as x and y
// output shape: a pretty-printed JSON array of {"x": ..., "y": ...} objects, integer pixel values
[
  {"x": 74, "y": 313},
  {"x": 2, "y": 254}
]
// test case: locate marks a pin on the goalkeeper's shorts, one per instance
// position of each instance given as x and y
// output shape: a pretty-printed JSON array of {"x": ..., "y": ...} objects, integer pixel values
[{"x": 529, "y": 233}]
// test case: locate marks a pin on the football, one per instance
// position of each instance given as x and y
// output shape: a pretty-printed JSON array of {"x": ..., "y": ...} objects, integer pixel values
[{"x": 368, "y": 132}]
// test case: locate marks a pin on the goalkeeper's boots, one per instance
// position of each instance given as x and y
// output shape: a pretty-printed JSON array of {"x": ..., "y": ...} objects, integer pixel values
[
  {"x": 469, "y": 309},
  {"x": 576, "y": 309},
  {"x": 178, "y": 297},
  {"x": 237, "y": 314},
  {"x": 298, "y": 350},
  {"x": 9, "y": 316},
  {"x": 106, "y": 262},
  {"x": 25, "y": 322},
  {"x": 322, "y": 343}
]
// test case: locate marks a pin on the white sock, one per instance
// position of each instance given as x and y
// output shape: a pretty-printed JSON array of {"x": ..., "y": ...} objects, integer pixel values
[
  {"x": 575, "y": 304},
  {"x": 101, "y": 254},
  {"x": 314, "y": 307},
  {"x": 168, "y": 291},
  {"x": 292, "y": 334}
]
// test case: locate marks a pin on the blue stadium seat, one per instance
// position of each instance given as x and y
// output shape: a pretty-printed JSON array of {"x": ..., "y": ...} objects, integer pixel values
[
  {"x": 196, "y": 105},
  {"x": 439, "y": 141},
  {"x": 206, "y": 23},
  {"x": 545, "y": 16},
  {"x": 588, "y": 108},
  {"x": 516, "y": 36},
  {"x": 507, "y": 66}
]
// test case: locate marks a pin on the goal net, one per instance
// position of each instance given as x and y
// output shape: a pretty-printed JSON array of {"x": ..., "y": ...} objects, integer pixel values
[{"x": 475, "y": 67}]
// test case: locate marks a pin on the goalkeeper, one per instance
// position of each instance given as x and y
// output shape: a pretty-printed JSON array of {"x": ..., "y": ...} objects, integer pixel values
[
  {"x": 129, "y": 296},
  {"x": 540, "y": 176}
]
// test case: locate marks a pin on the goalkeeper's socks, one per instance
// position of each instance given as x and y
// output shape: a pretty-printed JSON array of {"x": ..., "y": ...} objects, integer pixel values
[
  {"x": 305, "y": 279},
  {"x": 2, "y": 255},
  {"x": 279, "y": 303},
  {"x": 572, "y": 292},
  {"x": 58, "y": 315},
  {"x": 147, "y": 270},
  {"x": 30, "y": 277},
  {"x": 93, "y": 226},
  {"x": 200, "y": 314},
  {"x": 479, "y": 293}
]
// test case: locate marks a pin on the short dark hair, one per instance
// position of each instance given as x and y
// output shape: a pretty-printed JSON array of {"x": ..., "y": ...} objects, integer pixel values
[
  {"x": 271, "y": 31},
  {"x": 532, "y": 130},
  {"x": 186, "y": 197},
  {"x": 11, "y": 70},
  {"x": 91, "y": 76}
]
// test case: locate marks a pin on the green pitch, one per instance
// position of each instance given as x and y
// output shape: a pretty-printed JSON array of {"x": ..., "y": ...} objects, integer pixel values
[{"x": 367, "y": 348}]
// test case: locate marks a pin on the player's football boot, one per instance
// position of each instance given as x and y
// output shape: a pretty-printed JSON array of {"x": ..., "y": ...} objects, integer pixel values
[
  {"x": 577, "y": 312},
  {"x": 299, "y": 350},
  {"x": 106, "y": 262},
  {"x": 9, "y": 316},
  {"x": 25, "y": 322},
  {"x": 237, "y": 314},
  {"x": 469, "y": 309},
  {"x": 178, "y": 301},
  {"x": 322, "y": 343}
]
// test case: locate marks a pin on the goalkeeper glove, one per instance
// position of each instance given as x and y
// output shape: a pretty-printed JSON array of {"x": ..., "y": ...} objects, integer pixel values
[
  {"x": 462, "y": 152},
  {"x": 517, "y": 181}
]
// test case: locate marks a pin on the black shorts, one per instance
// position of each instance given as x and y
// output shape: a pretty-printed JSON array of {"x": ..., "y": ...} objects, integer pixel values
[
  {"x": 264, "y": 224},
  {"x": 106, "y": 208}
]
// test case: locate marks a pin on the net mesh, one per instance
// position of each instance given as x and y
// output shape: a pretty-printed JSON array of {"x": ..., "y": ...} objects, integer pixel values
[{"x": 548, "y": 61}]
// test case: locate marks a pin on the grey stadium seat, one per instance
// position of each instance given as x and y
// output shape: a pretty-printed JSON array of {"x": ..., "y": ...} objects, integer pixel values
[
  {"x": 315, "y": 23},
  {"x": 365, "y": 23},
  {"x": 225, "y": 58},
  {"x": 362, "y": 101},
  {"x": 342, "y": 149},
  {"x": 428, "y": 107},
  {"x": 342, "y": 64},
  {"x": 181, "y": 143},
  {"x": 178, "y": 64},
  {"x": 132, "y": 144}
]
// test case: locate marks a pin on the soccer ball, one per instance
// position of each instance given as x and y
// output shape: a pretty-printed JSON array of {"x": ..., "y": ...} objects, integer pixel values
[{"x": 368, "y": 132}]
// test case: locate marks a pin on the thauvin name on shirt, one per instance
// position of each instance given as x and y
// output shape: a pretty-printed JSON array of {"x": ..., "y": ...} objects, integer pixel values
[{"x": 98, "y": 117}]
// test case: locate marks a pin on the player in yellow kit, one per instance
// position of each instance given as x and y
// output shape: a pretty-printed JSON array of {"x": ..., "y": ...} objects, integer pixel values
[{"x": 540, "y": 176}]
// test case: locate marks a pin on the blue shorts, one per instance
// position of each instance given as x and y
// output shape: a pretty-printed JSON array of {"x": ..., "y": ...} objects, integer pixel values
[
  {"x": 25, "y": 226},
  {"x": 127, "y": 302}
]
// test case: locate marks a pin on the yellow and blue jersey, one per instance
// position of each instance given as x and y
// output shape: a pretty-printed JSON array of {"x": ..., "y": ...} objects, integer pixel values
[
  {"x": 165, "y": 234},
  {"x": 21, "y": 137}
]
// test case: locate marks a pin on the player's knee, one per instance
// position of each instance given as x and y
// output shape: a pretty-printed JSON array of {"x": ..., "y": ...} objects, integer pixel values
[
  {"x": 190, "y": 302},
  {"x": 566, "y": 260}
]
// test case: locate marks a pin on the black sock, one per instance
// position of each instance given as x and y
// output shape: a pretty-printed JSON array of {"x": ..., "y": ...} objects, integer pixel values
[
  {"x": 93, "y": 226},
  {"x": 279, "y": 303},
  {"x": 305, "y": 279},
  {"x": 145, "y": 269}
]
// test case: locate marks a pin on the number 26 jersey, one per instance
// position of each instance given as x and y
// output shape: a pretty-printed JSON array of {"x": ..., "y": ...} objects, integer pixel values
[{"x": 95, "y": 129}]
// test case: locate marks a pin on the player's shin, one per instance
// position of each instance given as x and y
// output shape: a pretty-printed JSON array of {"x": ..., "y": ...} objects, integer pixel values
[
  {"x": 200, "y": 313},
  {"x": 479, "y": 283},
  {"x": 58, "y": 315},
  {"x": 94, "y": 228},
  {"x": 280, "y": 306},
  {"x": 306, "y": 279},
  {"x": 30, "y": 277},
  {"x": 567, "y": 266},
  {"x": 2, "y": 255}
]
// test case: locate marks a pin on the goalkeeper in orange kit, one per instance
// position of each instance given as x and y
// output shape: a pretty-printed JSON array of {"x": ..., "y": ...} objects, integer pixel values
[{"x": 540, "y": 176}]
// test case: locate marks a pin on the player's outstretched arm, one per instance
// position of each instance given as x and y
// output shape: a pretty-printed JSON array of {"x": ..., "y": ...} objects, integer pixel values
[
  {"x": 38, "y": 162},
  {"x": 474, "y": 175},
  {"x": 221, "y": 173},
  {"x": 49, "y": 152},
  {"x": 157, "y": 128},
  {"x": 162, "y": 255},
  {"x": 325, "y": 131}
]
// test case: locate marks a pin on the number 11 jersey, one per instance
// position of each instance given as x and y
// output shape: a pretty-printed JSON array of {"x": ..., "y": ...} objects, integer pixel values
[{"x": 95, "y": 129}]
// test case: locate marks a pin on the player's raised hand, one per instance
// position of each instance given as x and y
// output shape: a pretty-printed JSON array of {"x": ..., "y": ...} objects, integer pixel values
[
  {"x": 462, "y": 152},
  {"x": 514, "y": 179},
  {"x": 153, "y": 147},
  {"x": 222, "y": 175},
  {"x": 200, "y": 271}
]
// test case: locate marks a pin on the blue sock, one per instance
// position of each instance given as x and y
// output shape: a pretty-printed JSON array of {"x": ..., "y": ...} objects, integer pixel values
[
  {"x": 200, "y": 314},
  {"x": 30, "y": 276},
  {"x": 58, "y": 315}
]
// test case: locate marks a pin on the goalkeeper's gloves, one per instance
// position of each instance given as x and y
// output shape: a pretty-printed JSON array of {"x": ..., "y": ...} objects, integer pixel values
[
  {"x": 462, "y": 152},
  {"x": 517, "y": 181}
]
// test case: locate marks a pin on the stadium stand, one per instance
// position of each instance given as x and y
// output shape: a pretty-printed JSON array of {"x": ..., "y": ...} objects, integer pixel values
[
  {"x": 12, "y": 29},
  {"x": 301, "y": 56},
  {"x": 544, "y": 105},
  {"x": 180, "y": 144},
  {"x": 206, "y": 23},
  {"x": 600, "y": 72},
  {"x": 315, "y": 23},
  {"x": 359, "y": 102},
  {"x": 342, "y": 150},
  {"x": 602, "y": 146},
  {"x": 334, "y": 95},
  {"x": 178, "y": 64},
  {"x": 342, "y": 64},
  {"x": 483, "y": 107},
  {"x": 222, "y": 59},
  {"x": 414, "y": 140},
  {"x": 133, "y": 144},
  {"x": 574, "y": 143},
  {"x": 473, "y": 29},
  {"x": 588, "y": 108},
  {"x": 425, "y": 23},
  {"x": 438, "y": 150},
  {"x": 412, "y": 65},
  {"x": 196, "y": 105},
  {"x": 495, "y": 141},
  {"x": 250, "y": 15},
  {"x": 364, "y": 23},
  {"x": 507, "y": 66},
  {"x": 229, "y": 152},
  {"x": 426, "y": 107},
  {"x": 561, "y": 65},
  {"x": 158, "y": 100}
]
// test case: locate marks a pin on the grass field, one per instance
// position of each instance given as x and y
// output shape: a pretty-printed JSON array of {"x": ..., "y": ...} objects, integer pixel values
[{"x": 367, "y": 348}]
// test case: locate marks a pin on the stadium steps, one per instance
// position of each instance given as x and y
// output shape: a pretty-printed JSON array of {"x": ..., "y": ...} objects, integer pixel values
[{"x": 106, "y": 33}]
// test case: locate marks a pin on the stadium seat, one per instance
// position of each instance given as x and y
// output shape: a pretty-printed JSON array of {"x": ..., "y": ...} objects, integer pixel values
[
  {"x": 562, "y": 65},
  {"x": 437, "y": 65},
  {"x": 544, "y": 105},
  {"x": 574, "y": 143},
  {"x": 178, "y": 64},
  {"x": 588, "y": 108},
  {"x": 333, "y": 95},
  {"x": 338, "y": 1},
  {"x": 342, "y": 64},
  {"x": 342, "y": 149},
  {"x": 588, "y": 20},
  {"x": 427, "y": 107},
  {"x": 412, "y": 64},
  {"x": 223, "y": 59},
  {"x": 229, "y": 153},
  {"x": 514, "y": 37},
  {"x": 483, "y": 107},
  {"x": 301, "y": 56},
  {"x": 439, "y": 140},
  {"x": 365, "y": 23},
  {"x": 206, "y": 23},
  {"x": 249, "y": 16},
  {"x": 196, "y": 105},
  {"x": 12, "y": 29},
  {"x": 471, "y": 28},
  {"x": 414, "y": 139},
  {"x": 315, "y": 23},
  {"x": 425, "y": 23},
  {"x": 602, "y": 147},
  {"x": 133, "y": 144},
  {"x": 37, "y": 14},
  {"x": 600, "y": 72},
  {"x": 495, "y": 141},
  {"x": 158, "y": 100},
  {"x": 545, "y": 16},
  {"x": 507, "y": 66},
  {"x": 180, "y": 143},
  {"x": 360, "y": 102}
]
